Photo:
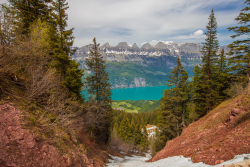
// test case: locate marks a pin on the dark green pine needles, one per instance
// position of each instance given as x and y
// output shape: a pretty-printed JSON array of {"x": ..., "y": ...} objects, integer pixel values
[
  {"x": 173, "y": 104},
  {"x": 240, "y": 50},
  {"x": 98, "y": 83}
]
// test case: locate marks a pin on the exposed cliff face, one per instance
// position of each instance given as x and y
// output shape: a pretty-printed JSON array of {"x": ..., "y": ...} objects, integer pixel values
[
  {"x": 217, "y": 137},
  {"x": 149, "y": 61},
  {"x": 123, "y": 83}
]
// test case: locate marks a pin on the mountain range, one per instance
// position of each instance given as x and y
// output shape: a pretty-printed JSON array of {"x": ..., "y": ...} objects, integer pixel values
[{"x": 130, "y": 66}]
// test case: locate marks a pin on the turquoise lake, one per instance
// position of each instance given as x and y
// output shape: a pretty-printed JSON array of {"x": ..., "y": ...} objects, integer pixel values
[{"x": 140, "y": 93}]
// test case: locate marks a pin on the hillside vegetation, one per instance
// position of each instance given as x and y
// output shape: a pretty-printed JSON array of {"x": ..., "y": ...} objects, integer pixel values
[
  {"x": 218, "y": 136},
  {"x": 136, "y": 106}
]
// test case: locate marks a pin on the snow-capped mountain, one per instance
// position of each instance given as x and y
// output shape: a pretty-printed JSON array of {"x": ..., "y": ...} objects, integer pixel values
[{"x": 187, "y": 50}]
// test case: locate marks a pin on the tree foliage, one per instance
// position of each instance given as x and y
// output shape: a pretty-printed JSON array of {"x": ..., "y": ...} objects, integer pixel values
[
  {"x": 98, "y": 82},
  {"x": 206, "y": 92},
  {"x": 173, "y": 104},
  {"x": 240, "y": 51}
]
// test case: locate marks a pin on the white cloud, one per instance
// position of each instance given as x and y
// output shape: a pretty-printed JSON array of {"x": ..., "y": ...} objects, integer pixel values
[
  {"x": 137, "y": 21},
  {"x": 198, "y": 33},
  {"x": 154, "y": 42}
]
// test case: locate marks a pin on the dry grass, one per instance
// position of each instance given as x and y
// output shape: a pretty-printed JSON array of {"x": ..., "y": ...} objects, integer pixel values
[{"x": 219, "y": 114}]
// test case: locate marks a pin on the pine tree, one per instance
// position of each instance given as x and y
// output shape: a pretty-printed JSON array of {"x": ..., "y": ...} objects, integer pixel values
[
  {"x": 138, "y": 134},
  {"x": 170, "y": 117},
  {"x": 222, "y": 75},
  {"x": 178, "y": 92},
  {"x": 208, "y": 86},
  {"x": 60, "y": 17},
  {"x": 240, "y": 51},
  {"x": 144, "y": 140},
  {"x": 99, "y": 88},
  {"x": 72, "y": 79},
  {"x": 125, "y": 130},
  {"x": 98, "y": 83},
  {"x": 7, "y": 19},
  {"x": 28, "y": 11},
  {"x": 197, "y": 89},
  {"x": 173, "y": 104},
  {"x": 63, "y": 41}
]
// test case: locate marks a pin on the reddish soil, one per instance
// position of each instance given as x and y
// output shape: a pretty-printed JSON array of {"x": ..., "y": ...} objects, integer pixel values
[
  {"x": 19, "y": 147},
  {"x": 217, "y": 137}
]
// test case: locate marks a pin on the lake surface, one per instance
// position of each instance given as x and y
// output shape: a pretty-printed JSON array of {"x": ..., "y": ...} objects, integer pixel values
[{"x": 140, "y": 93}]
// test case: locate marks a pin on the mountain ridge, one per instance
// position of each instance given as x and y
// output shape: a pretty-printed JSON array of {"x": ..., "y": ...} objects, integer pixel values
[{"x": 132, "y": 66}]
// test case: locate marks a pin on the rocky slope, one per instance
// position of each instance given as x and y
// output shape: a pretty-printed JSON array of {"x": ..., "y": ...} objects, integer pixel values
[
  {"x": 25, "y": 143},
  {"x": 220, "y": 135},
  {"x": 150, "y": 63}
]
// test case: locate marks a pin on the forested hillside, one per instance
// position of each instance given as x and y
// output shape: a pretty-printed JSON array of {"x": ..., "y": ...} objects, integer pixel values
[
  {"x": 45, "y": 120},
  {"x": 40, "y": 91}
]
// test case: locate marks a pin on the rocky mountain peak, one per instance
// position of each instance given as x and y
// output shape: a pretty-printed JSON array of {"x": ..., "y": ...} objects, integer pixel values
[
  {"x": 190, "y": 46},
  {"x": 161, "y": 45},
  {"x": 123, "y": 45},
  {"x": 106, "y": 45},
  {"x": 146, "y": 46},
  {"x": 135, "y": 46}
]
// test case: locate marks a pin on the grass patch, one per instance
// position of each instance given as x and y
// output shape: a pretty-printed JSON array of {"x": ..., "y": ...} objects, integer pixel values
[{"x": 137, "y": 106}]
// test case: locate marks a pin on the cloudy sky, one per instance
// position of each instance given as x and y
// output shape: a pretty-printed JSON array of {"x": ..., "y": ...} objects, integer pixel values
[{"x": 139, "y": 21}]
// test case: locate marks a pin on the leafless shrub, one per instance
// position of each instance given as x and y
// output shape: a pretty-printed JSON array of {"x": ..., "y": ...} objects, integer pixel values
[
  {"x": 97, "y": 119},
  {"x": 118, "y": 144},
  {"x": 236, "y": 90},
  {"x": 152, "y": 146}
]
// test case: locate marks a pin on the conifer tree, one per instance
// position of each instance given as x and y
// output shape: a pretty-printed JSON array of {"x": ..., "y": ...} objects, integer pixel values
[
  {"x": 60, "y": 17},
  {"x": 28, "y": 11},
  {"x": 208, "y": 86},
  {"x": 197, "y": 90},
  {"x": 240, "y": 51},
  {"x": 144, "y": 140},
  {"x": 99, "y": 88},
  {"x": 178, "y": 82},
  {"x": 98, "y": 83},
  {"x": 63, "y": 41},
  {"x": 173, "y": 104},
  {"x": 138, "y": 134},
  {"x": 222, "y": 75},
  {"x": 125, "y": 130}
]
